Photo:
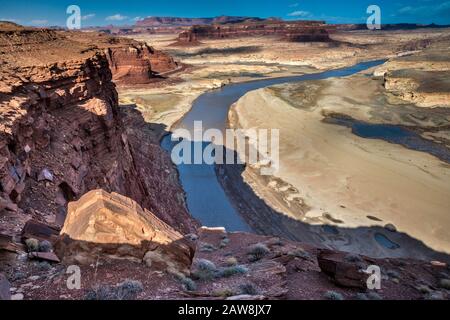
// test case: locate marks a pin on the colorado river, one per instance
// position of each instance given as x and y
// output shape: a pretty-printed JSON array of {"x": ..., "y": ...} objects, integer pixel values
[{"x": 206, "y": 200}]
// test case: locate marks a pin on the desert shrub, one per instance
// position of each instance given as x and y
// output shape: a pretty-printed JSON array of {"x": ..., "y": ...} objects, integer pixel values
[
  {"x": 353, "y": 258},
  {"x": 18, "y": 275},
  {"x": 128, "y": 289},
  {"x": 102, "y": 292},
  {"x": 32, "y": 245},
  {"x": 361, "y": 296},
  {"x": 207, "y": 247},
  {"x": 205, "y": 269},
  {"x": 231, "y": 271},
  {"x": 393, "y": 274},
  {"x": 192, "y": 237},
  {"x": 333, "y": 295},
  {"x": 372, "y": 295},
  {"x": 189, "y": 284},
  {"x": 258, "y": 251},
  {"x": 248, "y": 288},
  {"x": 436, "y": 295},
  {"x": 44, "y": 266},
  {"x": 45, "y": 246},
  {"x": 275, "y": 242},
  {"x": 224, "y": 293},
  {"x": 300, "y": 253},
  {"x": 231, "y": 261},
  {"x": 224, "y": 242},
  {"x": 444, "y": 283},
  {"x": 423, "y": 288}
]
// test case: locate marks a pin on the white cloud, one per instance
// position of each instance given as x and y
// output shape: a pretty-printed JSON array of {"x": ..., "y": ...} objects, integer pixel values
[
  {"x": 299, "y": 13},
  {"x": 116, "y": 17},
  {"x": 137, "y": 18},
  {"x": 428, "y": 10},
  {"x": 9, "y": 20},
  {"x": 39, "y": 22},
  {"x": 88, "y": 16}
]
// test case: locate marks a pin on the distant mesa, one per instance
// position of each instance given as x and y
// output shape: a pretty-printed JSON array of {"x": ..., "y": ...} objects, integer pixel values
[{"x": 295, "y": 31}]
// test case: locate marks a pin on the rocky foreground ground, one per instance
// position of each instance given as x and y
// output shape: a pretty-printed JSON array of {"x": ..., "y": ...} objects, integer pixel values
[
  {"x": 85, "y": 183},
  {"x": 124, "y": 252}
]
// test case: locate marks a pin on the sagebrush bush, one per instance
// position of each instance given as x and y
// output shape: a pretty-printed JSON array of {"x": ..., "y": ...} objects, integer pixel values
[
  {"x": 258, "y": 251},
  {"x": 207, "y": 247},
  {"x": 102, "y": 292},
  {"x": 205, "y": 269},
  {"x": 44, "y": 266},
  {"x": 353, "y": 258},
  {"x": 231, "y": 261},
  {"x": 189, "y": 284},
  {"x": 333, "y": 295},
  {"x": 444, "y": 283},
  {"x": 45, "y": 246},
  {"x": 300, "y": 253},
  {"x": 126, "y": 290},
  {"x": 248, "y": 288},
  {"x": 231, "y": 271},
  {"x": 224, "y": 293},
  {"x": 224, "y": 242},
  {"x": 372, "y": 295},
  {"x": 32, "y": 245},
  {"x": 361, "y": 296}
]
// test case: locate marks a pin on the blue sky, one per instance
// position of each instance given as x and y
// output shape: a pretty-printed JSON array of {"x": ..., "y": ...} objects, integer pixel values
[{"x": 123, "y": 12}]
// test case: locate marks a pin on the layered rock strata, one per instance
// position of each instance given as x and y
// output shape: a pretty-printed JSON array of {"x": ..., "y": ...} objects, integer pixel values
[
  {"x": 111, "y": 225},
  {"x": 63, "y": 134}
]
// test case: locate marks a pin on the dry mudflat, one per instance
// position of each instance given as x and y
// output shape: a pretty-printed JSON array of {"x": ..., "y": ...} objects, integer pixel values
[{"x": 350, "y": 181}]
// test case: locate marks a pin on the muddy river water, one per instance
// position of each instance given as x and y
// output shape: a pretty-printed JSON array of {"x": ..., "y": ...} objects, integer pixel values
[{"x": 206, "y": 200}]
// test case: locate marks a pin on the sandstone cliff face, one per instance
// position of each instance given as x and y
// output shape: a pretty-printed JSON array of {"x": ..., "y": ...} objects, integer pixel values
[
  {"x": 63, "y": 134},
  {"x": 111, "y": 225},
  {"x": 297, "y": 31},
  {"x": 138, "y": 63},
  {"x": 421, "y": 78}
]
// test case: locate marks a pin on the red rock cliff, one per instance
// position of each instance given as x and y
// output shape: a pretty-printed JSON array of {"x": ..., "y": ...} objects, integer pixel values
[{"x": 63, "y": 134}]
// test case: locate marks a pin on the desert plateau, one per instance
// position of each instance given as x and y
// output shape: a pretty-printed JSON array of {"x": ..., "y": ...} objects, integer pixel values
[{"x": 91, "y": 184}]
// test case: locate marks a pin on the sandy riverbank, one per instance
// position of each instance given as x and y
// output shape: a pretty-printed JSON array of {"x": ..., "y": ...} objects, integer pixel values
[
  {"x": 218, "y": 62},
  {"x": 342, "y": 178}
]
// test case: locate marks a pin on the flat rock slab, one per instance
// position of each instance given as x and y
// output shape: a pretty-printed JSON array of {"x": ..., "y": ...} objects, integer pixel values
[
  {"x": 48, "y": 256},
  {"x": 343, "y": 273},
  {"x": 40, "y": 231}
]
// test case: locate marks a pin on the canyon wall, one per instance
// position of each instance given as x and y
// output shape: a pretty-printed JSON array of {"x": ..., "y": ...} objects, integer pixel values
[
  {"x": 302, "y": 31},
  {"x": 63, "y": 134}
]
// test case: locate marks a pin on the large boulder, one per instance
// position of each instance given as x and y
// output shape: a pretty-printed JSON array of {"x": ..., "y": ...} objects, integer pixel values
[
  {"x": 343, "y": 271},
  {"x": 107, "y": 225}
]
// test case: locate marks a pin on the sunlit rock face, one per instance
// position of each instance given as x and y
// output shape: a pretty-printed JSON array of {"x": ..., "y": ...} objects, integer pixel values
[{"x": 111, "y": 225}]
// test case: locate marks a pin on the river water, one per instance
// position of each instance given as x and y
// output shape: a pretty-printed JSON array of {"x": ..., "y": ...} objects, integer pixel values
[{"x": 206, "y": 200}]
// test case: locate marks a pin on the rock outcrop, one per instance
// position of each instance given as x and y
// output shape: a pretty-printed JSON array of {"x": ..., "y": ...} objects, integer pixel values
[
  {"x": 138, "y": 63},
  {"x": 297, "y": 31},
  {"x": 60, "y": 116},
  {"x": 110, "y": 225},
  {"x": 420, "y": 78}
]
